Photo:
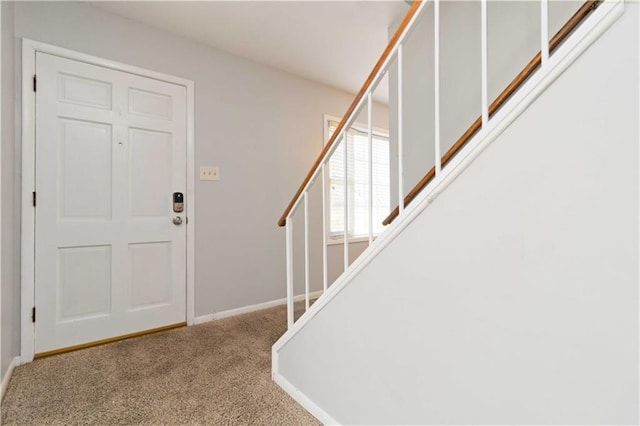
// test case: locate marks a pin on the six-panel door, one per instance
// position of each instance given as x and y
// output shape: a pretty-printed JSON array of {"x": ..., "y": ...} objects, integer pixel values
[{"x": 110, "y": 153}]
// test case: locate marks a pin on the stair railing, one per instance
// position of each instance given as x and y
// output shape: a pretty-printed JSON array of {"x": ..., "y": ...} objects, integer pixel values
[
  {"x": 394, "y": 51},
  {"x": 364, "y": 97}
]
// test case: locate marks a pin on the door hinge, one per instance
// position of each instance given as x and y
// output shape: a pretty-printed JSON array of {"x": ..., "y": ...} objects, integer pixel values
[
  {"x": 34, "y": 198},
  {"x": 35, "y": 82},
  {"x": 33, "y": 314}
]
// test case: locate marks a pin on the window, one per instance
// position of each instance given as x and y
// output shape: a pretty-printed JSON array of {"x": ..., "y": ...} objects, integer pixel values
[{"x": 358, "y": 182}]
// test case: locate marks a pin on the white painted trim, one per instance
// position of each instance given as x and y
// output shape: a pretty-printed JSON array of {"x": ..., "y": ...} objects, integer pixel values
[
  {"x": 191, "y": 202},
  {"x": 399, "y": 131},
  {"x": 603, "y": 17},
  {"x": 252, "y": 308},
  {"x": 27, "y": 260},
  {"x": 363, "y": 128},
  {"x": 304, "y": 401},
  {"x": 7, "y": 375},
  {"x": 1, "y": 146},
  {"x": 638, "y": 123},
  {"x": 436, "y": 87},
  {"x": 339, "y": 240},
  {"x": 485, "y": 61},
  {"x": 29, "y": 49},
  {"x": 544, "y": 31}
]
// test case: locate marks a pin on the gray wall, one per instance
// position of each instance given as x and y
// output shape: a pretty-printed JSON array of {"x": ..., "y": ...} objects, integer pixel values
[
  {"x": 10, "y": 236},
  {"x": 261, "y": 126},
  {"x": 513, "y": 297}
]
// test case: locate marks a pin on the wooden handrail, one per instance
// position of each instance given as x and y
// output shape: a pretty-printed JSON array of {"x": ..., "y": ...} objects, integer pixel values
[
  {"x": 387, "y": 51},
  {"x": 526, "y": 72}
]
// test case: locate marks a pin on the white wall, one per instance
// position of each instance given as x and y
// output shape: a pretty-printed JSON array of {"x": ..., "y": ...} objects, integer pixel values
[
  {"x": 513, "y": 297},
  {"x": 261, "y": 126},
  {"x": 10, "y": 270}
]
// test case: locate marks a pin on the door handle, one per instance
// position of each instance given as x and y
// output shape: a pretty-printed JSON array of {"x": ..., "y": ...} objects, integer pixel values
[{"x": 177, "y": 220}]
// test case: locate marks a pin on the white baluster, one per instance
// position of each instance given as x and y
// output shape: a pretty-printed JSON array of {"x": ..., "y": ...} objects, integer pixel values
[
  {"x": 400, "y": 142},
  {"x": 370, "y": 136},
  {"x": 324, "y": 231},
  {"x": 436, "y": 82},
  {"x": 306, "y": 250},
  {"x": 346, "y": 201},
  {"x": 485, "y": 60},
  {"x": 289, "y": 254},
  {"x": 544, "y": 30}
]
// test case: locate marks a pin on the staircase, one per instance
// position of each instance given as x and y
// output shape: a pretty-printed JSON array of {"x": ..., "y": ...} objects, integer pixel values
[{"x": 492, "y": 293}]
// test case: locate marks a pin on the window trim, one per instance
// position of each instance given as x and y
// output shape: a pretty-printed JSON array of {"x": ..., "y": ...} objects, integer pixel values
[
  {"x": 326, "y": 118},
  {"x": 335, "y": 241},
  {"x": 378, "y": 131}
]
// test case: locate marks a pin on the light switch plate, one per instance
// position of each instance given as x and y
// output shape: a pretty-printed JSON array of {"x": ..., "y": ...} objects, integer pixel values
[{"x": 209, "y": 173}]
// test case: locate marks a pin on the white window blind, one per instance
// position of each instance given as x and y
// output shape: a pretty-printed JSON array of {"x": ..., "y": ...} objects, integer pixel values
[{"x": 358, "y": 183}]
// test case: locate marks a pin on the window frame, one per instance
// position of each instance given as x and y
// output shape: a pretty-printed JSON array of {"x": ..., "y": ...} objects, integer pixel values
[{"x": 378, "y": 131}]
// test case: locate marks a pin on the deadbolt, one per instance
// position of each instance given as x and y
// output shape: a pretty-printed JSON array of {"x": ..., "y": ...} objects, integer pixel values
[{"x": 178, "y": 202}]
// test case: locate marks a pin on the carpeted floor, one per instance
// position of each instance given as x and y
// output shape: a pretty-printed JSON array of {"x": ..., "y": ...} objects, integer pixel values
[{"x": 217, "y": 373}]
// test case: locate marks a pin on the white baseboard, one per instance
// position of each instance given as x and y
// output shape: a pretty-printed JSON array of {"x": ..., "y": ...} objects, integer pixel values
[
  {"x": 304, "y": 401},
  {"x": 7, "y": 376},
  {"x": 246, "y": 309}
]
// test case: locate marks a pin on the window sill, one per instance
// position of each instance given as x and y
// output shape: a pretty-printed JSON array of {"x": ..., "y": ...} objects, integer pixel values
[{"x": 340, "y": 241}]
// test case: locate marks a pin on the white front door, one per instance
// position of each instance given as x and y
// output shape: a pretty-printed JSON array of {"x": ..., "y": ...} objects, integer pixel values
[{"x": 110, "y": 153}]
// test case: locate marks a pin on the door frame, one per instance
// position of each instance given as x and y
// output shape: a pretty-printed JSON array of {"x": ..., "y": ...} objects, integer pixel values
[{"x": 27, "y": 262}]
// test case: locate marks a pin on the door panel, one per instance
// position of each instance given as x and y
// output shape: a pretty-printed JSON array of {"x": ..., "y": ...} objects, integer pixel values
[
  {"x": 150, "y": 104},
  {"x": 110, "y": 152},
  {"x": 150, "y": 274},
  {"x": 151, "y": 171},
  {"x": 84, "y": 172},
  {"x": 84, "y": 91},
  {"x": 85, "y": 282}
]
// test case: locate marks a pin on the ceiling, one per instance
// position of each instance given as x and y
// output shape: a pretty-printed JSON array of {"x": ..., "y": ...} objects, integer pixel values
[{"x": 332, "y": 42}]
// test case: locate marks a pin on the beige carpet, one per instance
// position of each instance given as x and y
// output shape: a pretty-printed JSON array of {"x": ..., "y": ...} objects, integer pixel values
[{"x": 217, "y": 373}]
